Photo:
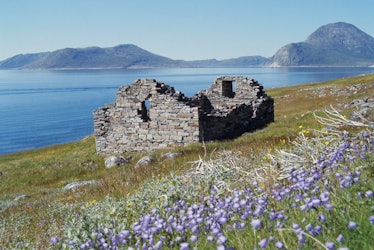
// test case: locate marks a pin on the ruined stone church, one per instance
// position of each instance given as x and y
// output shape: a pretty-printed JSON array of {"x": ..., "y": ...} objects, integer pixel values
[{"x": 149, "y": 115}]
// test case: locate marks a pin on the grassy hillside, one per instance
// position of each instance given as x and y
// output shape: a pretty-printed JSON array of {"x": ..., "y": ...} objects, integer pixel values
[{"x": 38, "y": 212}]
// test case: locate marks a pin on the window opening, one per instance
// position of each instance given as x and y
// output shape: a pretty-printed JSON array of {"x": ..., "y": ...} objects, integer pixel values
[
  {"x": 145, "y": 111},
  {"x": 228, "y": 88},
  {"x": 147, "y": 105}
]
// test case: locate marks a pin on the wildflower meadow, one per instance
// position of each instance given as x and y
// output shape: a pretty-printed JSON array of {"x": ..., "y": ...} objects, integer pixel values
[
  {"x": 306, "y": 182},
  {"x": 316, "y": 193}
]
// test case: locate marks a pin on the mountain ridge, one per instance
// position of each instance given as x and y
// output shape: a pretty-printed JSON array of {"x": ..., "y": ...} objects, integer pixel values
[
  {"x": 336, "y": 44},
  {"x": 121, "y": 56}
]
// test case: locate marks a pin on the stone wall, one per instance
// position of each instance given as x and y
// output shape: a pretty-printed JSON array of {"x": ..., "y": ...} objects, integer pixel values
[
  {"x": 238, "y": 105},
  {"x": 149, "y": 115}
]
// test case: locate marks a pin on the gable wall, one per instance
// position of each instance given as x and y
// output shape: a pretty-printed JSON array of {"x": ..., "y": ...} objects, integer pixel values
[{"x": 120, "y": 128}]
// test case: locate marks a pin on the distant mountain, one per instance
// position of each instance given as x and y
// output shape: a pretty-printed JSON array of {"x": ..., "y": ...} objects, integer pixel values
[
  {"x": 336, "y": 44},
  {"x": 244, "y": 61},
  {"x": 21, "y": 61},
  {"x": 121, "y": 56}
]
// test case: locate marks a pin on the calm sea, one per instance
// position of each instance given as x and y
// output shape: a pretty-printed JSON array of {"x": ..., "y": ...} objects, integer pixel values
[{"x": 40, "y": 108}]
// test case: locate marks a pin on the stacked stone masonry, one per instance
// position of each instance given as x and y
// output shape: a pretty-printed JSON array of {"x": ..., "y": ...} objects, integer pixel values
[{"x": 149, "y": 115}]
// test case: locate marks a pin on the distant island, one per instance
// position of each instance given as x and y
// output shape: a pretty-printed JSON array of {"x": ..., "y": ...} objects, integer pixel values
[{"x": 336, "y": 44}]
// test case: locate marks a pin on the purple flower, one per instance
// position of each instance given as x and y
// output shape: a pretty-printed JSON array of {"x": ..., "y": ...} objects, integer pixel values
[
  {"x": 316, "y": 202},
  {"x": 304, "y": 207},
  {"x": 322, "y": 217},
  {"x": 244, "y": 216},
  {"x": 256, "y": 223},
  {"x": 309, "y": 227},
  {"x": 125, "y": 233},
  {"x": 340, "y": 238},
  {"x": 259, "y": 211},
  {"x": 279, "y": 245},
  {"x": 193, "y": 238},
  {"x": 185, "y": 246},
  {"x": 301, "y": 238},
  {"x": 298, "y": 197},
  {"x": 280, "y": 215},
  {"x": 369, "y": 194},
  {"x": 195, "y": 229},
  {"x": 236, "y": 206},
  {"x": 179, "y": 228},
  {"x": 329, "y": 206},
  {"x": 279, "y": 224},
  {"x": 263, "y": 243},
  {"x": 352, "y": 225},
  {"x": 158, "y": 245},
  {"x": 222, "y": 220},
  {"x": 236, "y": 225},
  {"x": 317, "y": 229},
  {"x": 330, "y": 245},
  {"x": 371, "y": 219},
  {"x": 53, "y": 240},
  {"x": 215, "y": 231},
  {"x": 272, "y": 216},
  {"x": 222, "y": 239}
]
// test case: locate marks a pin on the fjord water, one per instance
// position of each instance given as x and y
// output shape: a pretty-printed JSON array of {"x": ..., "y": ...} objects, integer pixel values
[{"x": 40, "y": 108}]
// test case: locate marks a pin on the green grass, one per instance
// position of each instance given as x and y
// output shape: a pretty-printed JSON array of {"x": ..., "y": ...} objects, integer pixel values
[{"x": 41, "y": 174}]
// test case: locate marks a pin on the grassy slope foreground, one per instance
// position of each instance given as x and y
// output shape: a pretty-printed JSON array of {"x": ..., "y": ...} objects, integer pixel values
[{"x": 305, "y": 181}]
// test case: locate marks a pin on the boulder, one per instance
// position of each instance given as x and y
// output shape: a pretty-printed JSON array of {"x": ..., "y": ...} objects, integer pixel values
[
  {"x": 170, "y": 155},
  {"x": 364, "y": 109},
  {"x": 113, "y": 161},
  {"x": 144, "y": 161},
  {"x": 77, "y": 184},
  {"x": 21, "y": 197}
]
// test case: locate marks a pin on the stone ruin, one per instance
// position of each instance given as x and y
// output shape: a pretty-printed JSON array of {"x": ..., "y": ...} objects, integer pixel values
[{"x": 149, "y": 115}]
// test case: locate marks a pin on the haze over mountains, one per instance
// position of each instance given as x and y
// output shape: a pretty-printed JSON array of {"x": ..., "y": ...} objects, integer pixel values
[{"x": 336, "y": 44}]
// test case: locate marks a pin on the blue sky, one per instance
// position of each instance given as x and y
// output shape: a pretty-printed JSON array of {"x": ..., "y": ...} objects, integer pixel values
[{"x": 193, "y": 29}]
